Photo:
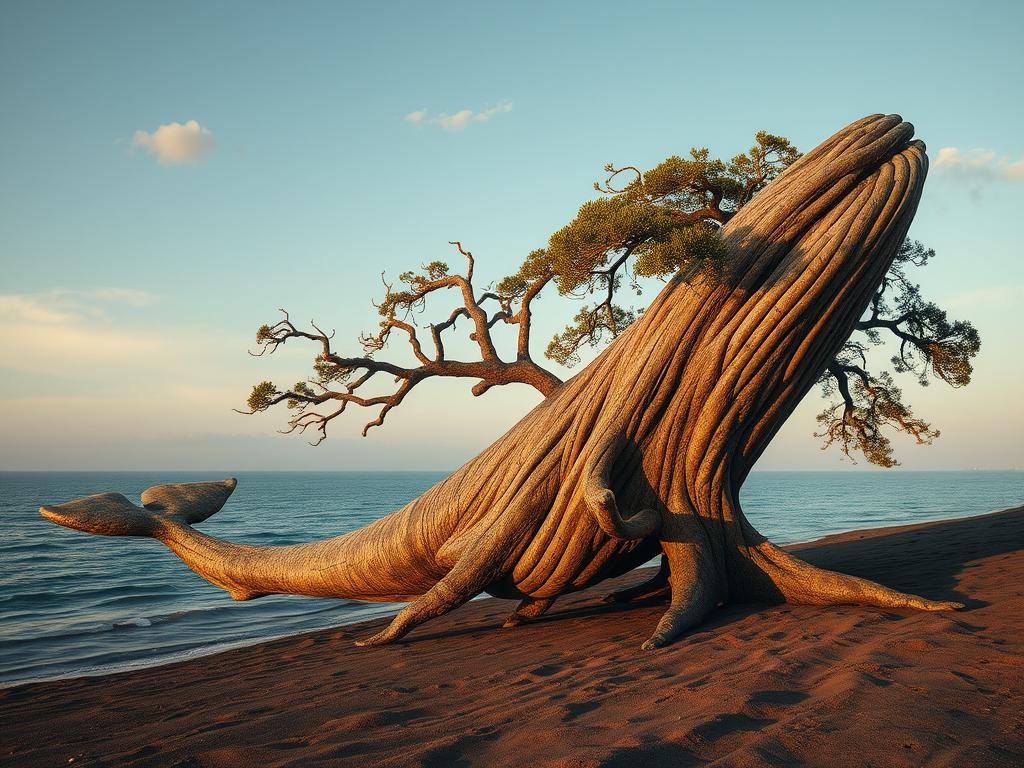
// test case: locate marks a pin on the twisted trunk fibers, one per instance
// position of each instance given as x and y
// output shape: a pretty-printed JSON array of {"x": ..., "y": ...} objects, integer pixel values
[{"x": 645, "y": 449}]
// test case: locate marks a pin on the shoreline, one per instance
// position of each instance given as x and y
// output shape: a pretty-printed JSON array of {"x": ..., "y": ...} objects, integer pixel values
[
  {"x": 754, "y": 685},
  {"x": 191, "y": 654},
  {"x": 215, "y": 649}
]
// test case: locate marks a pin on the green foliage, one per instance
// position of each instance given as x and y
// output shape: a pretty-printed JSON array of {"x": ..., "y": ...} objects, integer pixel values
[
  {"x": 659, "y": 222},
  {"x": 874, "y": 404},
  {"x": 262, "y": 396},
  {"x": 697, "y": 246},
  {"x": 535, "y": 268},
  {"x": 300, "y": 388},
  {"x": 329, "y": 373},
  {"x": 591, "y": 326},
  {"x": 398, "y": 302},
  {"x": 662, "y": 221},
  {"x": 930, "y": 343},
  {"x": 930, "y": 346},
  {"x": 602, "y": 229}
]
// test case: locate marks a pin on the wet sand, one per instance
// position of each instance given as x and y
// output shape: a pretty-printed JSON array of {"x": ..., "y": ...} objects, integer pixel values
[{"x": 755, "y": 686}]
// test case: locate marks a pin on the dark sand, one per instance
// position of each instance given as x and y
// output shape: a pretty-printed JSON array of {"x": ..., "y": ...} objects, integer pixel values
[{"x": 757, "y": 685}]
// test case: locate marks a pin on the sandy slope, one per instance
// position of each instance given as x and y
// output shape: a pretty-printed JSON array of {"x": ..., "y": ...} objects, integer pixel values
[{"x": 758, "y": 685}]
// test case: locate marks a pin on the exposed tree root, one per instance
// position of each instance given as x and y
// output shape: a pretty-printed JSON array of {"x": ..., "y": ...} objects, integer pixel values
[
  {"x": 692, "y": 577},
  {"x": 528, "y": 610},
  {"x": 800, "y": 582},
  {"x": 654, "y": 587}
]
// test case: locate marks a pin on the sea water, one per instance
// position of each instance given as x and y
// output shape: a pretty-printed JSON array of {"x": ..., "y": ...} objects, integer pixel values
[{"x": 73, "y": 604}]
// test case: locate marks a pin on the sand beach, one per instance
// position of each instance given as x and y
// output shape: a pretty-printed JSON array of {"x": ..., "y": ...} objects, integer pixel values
[{"x": 757, "y": 685}]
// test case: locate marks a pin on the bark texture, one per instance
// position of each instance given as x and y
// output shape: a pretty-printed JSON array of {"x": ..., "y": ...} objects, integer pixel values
[{"x": 643, "y": 451}]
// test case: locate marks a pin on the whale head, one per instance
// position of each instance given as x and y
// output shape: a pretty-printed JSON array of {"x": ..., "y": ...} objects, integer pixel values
[
  {"x": 852, "y": 197},
  {"x": 803, "y": 261}
]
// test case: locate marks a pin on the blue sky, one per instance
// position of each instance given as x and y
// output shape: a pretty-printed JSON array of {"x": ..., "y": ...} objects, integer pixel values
[{"x": 132, "y": 287}]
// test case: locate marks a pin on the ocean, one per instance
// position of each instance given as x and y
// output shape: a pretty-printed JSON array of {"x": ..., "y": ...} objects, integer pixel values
[{"x": 74, "y": 604}]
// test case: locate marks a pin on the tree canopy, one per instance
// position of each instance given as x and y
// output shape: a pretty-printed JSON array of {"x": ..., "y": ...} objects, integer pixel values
[{"x": 644, "y": 224}]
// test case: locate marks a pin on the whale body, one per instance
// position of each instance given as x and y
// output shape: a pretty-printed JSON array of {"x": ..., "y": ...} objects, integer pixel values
[{"x": 643, "y": 451}]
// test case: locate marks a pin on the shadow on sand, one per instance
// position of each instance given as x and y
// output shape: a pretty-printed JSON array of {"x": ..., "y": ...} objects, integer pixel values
[{"x": 924, "y": 559}]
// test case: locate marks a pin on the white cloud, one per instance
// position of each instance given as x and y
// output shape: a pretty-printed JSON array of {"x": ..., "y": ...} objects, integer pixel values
[
  {"x": 459, "y": 120},
  {"x": 978, "y": 165},
  {"x": 175, "y": 144}
]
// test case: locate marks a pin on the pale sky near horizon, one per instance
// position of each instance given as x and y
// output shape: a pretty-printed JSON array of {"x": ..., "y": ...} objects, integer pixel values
[{"x": 173, "y": 173}]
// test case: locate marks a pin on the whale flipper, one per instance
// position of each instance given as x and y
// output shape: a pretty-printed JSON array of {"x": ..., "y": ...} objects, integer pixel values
[
  {"x": 188, "y": 502},
  {"x": 111, "y": 514}
]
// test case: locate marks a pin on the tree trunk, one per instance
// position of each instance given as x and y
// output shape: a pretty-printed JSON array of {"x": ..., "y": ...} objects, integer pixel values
[{"x": 648, "y": 446}]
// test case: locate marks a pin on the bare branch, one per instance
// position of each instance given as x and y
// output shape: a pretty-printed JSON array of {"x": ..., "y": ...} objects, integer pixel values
[
  {"x": 930, "y": 344},
  {"x": 340, "y": 379},
  {"x": 607, "y": 187},
  {"x": 866, "y": 405}
]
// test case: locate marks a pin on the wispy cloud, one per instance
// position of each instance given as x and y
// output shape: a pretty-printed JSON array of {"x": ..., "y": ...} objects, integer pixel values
[
  {"x": 64, "y": 305},
  {"x": 978, "y": 165},
  {"x": 67, "y": 332},
  {"x": 30, "y": 309},
  {"x": 132, "y": 297},
  {"x": 176, "y": 143},
  {"x": 458, "y": 120}
]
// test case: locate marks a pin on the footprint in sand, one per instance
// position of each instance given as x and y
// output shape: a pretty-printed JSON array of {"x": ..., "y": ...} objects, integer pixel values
[
  {"x": 572, "y": 711},
  {"x": 728, "y": 724},
  {"x": 663, "y": 753},
  {"x": 620, "y": 679},
  {"x": 546, "y": 670},
  {"x": 777, "y": 697}
]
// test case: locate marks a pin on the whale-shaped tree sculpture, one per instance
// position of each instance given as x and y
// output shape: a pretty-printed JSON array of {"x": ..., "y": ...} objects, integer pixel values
[{"x": 644, "y": 450}]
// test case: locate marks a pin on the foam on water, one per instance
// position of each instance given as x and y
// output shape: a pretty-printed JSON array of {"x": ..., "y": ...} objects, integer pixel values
[{"x": 73, "y": 604}]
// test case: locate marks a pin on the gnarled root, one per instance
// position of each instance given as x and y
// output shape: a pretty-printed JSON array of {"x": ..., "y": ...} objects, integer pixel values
[
  {"x": 529, "y": 609},
  {"x": 692, "y": 577},
  {"x": 656, "y": 586},
  {"x": 447, "y": 594},
  {"x": 476, "y": 568},
  {"x": 777, "y": 574}
]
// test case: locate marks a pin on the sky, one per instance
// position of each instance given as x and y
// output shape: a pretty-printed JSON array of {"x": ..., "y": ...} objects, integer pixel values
[{"x": 174, "y": 173}]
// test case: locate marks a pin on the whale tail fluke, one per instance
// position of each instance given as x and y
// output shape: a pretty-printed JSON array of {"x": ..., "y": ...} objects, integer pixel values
[{"x": 111, "y": 514}]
